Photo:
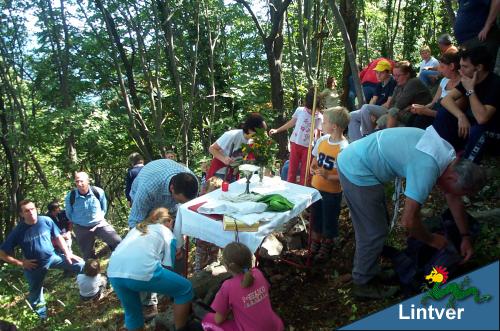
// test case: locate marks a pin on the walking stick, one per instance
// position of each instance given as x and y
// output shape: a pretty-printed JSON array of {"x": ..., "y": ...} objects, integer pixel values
[{"x": 311, "y": 136}]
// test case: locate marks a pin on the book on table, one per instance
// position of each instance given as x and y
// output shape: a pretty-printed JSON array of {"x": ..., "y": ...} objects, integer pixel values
[{"x": 231, "y": 224}]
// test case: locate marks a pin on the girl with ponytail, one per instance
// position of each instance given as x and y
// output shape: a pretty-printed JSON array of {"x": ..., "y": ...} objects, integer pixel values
[{"x": 242, "y": 302}]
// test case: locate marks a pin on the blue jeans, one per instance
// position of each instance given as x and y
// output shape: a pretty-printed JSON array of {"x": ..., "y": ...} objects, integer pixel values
[
  {"x": 326, "y": 213},
  {"x": 163, "y": 281},
  {"x": 369, "y": 90},
  {"x": 36, "y": 276},
  {"x": 425, "y": 76}
]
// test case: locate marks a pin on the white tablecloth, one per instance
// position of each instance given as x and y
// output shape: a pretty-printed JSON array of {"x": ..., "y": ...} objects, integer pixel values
[{"x": 199, "y": 226}]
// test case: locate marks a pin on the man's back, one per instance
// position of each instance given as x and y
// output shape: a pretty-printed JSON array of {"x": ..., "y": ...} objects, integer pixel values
[
  {"x": 151, "y": 188},
  {"x": 387, "y": 154}
]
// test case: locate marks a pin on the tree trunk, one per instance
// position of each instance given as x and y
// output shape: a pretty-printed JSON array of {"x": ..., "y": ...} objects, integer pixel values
[
  {"x": 449, "y": 9},
  {"x": 13, "y": 165},
  {"x": 351, "y": 55},
  {"x": 291, "y": 60},
  {"x": 273, "y": 46},
  {"x": 166, "y": 24},
  {"x": 212, "y": 42},
  {"x": 138, "y": 127},
  {"x": 390, "y": 50},
  {"x": 303, "y": 42}
]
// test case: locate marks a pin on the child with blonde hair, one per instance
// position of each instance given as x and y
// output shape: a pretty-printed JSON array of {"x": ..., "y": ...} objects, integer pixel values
[
  {"x": 325, "y": 178},
  {"x": 142, "y": 263},
  {"x": 245, "y": 296},
  {"x": 206, "y": 252}
]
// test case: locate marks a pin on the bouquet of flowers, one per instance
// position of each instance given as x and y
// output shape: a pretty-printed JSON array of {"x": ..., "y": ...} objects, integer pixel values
[{"x": 261, "y": 151}]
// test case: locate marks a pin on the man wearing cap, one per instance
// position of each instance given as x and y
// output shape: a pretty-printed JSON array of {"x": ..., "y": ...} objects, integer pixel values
[
  {"x": 445, "y": 45},
  {"x": 359, "y": 125},
  {"x": 368, "y": 78},
  {"x": 425, "y": 160}
]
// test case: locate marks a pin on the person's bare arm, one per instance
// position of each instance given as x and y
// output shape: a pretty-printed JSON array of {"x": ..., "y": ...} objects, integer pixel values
[
  {"x": 284, "y": 127},
  {"x": 457, "y": 208},
  {"x": 67, "y": 253},
  {"x": 387, "y": 103},
  {"x": 218, "y": 153},
  {"x": 412, "y": 222},
  {"x": 220, "y": 318},
  {"x": 492, "y": 16},
  {"x": 26, "y": 264},
  {"x": 449, "y": 102},
  {"x": 373, "y": 100},
  {"x": 482, "y": 113}
]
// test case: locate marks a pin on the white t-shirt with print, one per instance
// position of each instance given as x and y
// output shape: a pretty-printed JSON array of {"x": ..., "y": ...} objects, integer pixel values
[
  {"x": 302, "y": 131},
  {"x": 138, "y": 255},
  {"x": 234, "y": 139}
]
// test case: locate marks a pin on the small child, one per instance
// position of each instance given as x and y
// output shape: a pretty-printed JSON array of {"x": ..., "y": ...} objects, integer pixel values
[
  {"x": 245, "y": 296},
  {"x": 300, "y": 138},
  {"x": 326, "y": 179},
  {"x": 91, "y": 283},
  {"x": 206, "y": 252}
]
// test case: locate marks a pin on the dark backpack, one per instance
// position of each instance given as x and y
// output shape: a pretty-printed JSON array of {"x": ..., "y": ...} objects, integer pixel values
[{"x": 72, "y": 196}]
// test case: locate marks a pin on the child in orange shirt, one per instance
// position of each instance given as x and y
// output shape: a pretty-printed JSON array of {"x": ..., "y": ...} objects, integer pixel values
[{"x": 326, "y": 179}]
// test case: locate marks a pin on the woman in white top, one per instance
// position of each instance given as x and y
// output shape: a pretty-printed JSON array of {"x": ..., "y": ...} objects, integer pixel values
[
  {"x": 449, "y": 63},
  {"x": 137, "y": 265}
]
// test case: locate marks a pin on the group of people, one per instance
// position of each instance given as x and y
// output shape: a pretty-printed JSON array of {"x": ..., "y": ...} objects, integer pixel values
[{"x": 401, "y": 132}]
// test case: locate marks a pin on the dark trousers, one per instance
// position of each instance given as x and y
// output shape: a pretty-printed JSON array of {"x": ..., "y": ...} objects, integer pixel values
[
  {"x": 85, "y": 237},
  {"x": 480, "y": 138}
]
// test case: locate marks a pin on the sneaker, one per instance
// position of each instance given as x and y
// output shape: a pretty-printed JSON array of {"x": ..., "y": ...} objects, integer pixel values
[
  {"x": 374, "y": 291},
  {"x": 149, "y": 312}
]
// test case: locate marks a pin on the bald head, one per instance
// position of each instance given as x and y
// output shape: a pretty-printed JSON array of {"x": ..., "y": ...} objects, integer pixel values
[{"x": 82, "y": 182}]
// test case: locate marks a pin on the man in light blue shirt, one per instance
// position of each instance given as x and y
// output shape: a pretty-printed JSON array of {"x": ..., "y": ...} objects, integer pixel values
[
  {"x": 161, "y": 183},
  {"x": 424, "y": 159},
  {"x": 86, "y": 208}
]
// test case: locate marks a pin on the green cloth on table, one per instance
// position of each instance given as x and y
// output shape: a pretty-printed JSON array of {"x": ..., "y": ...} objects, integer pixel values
[{"x": 276, "y": 202}]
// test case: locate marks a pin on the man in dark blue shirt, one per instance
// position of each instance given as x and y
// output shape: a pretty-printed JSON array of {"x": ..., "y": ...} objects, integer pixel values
[
  {"x": 137, "y": 163},
  {"x": 33, "y": 234}
]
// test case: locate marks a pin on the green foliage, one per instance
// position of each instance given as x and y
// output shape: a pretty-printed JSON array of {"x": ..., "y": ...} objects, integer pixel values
[{"x": 262, "y": 151}]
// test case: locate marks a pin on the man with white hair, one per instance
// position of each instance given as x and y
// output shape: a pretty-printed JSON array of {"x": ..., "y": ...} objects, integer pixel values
[
  {"x": 424, "y": 159},
  {"x": 86, "y": 207}
]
